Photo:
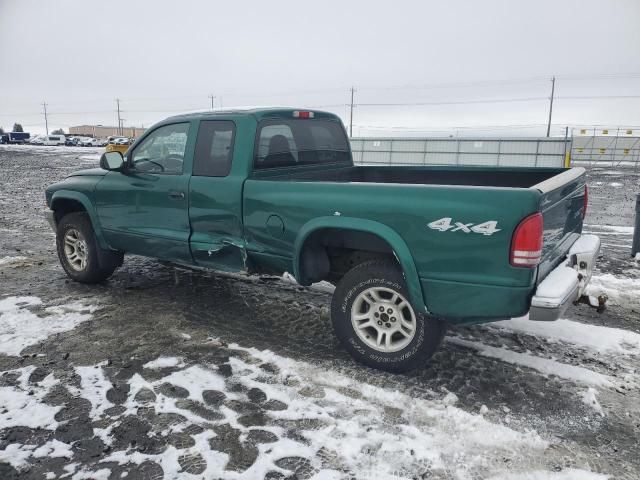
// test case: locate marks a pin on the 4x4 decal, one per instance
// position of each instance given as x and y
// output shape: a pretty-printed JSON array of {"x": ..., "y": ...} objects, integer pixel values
[{"x": 447, "y": 224}]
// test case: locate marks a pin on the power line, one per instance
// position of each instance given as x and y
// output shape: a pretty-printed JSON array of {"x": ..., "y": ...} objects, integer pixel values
[
  {"x": 454, "y": 102},
  {"x": 337, "y": 89},
  {"x": 499, "y": 82},
  {"x": 363, "y": 104}
]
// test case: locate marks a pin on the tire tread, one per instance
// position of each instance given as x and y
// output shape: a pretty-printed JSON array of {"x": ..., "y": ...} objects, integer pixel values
[
  {"x": 388, "y": 270},
  {"x": 96, "y": 273}
]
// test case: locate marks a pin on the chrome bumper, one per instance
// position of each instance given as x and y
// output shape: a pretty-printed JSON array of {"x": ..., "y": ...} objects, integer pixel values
[{"x": 567, "y": 282}]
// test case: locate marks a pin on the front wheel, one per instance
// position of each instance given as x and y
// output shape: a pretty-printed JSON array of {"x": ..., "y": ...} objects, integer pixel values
[
  {"x": 376, "y": 323},
  {"x": 78, "y": 250}
]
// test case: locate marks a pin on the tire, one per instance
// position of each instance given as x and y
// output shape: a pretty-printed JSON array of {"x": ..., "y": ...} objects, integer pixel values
[
  {"x": 413, "y": 336},
  {"x": 90, "y": 264}
]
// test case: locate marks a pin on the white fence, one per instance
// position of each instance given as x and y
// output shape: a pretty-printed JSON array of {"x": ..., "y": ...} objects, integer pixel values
[
  {"x": 598, "y": 148},
  {"x": 508, "y": 152}
]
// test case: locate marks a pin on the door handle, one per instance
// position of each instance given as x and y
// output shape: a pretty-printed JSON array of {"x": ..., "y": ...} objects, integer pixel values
[{"x": 175, "y": 194}]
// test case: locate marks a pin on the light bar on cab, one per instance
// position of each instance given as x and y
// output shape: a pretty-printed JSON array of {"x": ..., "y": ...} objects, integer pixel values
[{"x": 302, "y": 114}]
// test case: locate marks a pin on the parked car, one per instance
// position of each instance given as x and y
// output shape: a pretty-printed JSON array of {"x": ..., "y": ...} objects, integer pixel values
[
  {"x": 409, "y": 249},
  {"x": 90, "y": 142},
  {"x": 54, "y": 140},
  {"x": 72, "y": 141},
  {"x": 15, "y": 137},
  {"x": 37, "y": 140},
  {"x": 118, "y": 144}
]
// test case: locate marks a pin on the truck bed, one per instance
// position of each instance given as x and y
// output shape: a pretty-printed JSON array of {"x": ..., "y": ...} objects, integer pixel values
[
  {"x": 427, "y": 175},
  {"x": 408, "y": 199}
]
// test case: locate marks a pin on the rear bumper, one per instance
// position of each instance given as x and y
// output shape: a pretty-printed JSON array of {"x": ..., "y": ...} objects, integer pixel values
[{"x": 567, "y": 282}]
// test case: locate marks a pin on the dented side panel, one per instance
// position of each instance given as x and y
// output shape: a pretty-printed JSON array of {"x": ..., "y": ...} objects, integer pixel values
[{"x": 215, "y": 208}]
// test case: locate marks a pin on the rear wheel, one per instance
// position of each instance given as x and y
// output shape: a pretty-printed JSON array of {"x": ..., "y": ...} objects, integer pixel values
[
  {"x": 376, "y": 323},
  {"x": 79, "y": 253}
]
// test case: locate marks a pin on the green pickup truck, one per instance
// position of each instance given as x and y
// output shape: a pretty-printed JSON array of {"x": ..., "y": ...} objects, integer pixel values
[{"x": 409, "y": 249}]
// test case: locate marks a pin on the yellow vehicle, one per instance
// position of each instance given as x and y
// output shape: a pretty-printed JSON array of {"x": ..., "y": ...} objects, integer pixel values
[{"x": 118, "y": 144}]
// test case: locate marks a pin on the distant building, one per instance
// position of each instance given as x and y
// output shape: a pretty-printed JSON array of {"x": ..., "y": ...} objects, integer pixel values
[{"x": 102, "y": 131}]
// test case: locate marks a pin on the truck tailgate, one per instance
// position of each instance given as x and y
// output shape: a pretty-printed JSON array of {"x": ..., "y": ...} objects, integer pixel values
[{"x": 562, "y": 205}]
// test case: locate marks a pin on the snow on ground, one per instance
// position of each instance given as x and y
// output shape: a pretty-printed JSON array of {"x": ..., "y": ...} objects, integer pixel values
[
  {"x": 589, "y": 397},
  {"x": 347, "y": 418},
  {"x": 621, "y": 291},
  {"x": 365, "y": 430},
  {"x": 543, "y": 365},
  {"x": 593, "y": 337},
  {"x": 102, "y": 474},
  {"x": 10, "y": 260},
  {"x": 196, "y": 379},
  {"x": 20, "y": 327},
  {"x": 94, "y": 387},
  {"x": 320, "y": 286},
  {"x": 43, "y": 150},
  {"x": 362, "y": 429},
  {"x": 568, "y": 474},
  {"x": 18, "y": 455},
  {"x": 608, "y": 229},
  {"x": 165, "y": 362},
  {"x": 21, "y": 402}
]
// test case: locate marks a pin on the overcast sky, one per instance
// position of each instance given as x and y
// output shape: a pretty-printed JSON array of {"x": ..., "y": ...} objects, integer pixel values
[{"x": 163, "y": 57}]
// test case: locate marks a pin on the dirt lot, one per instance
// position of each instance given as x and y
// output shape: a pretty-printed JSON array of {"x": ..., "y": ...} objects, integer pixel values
[{"x": 167, "y": 373}]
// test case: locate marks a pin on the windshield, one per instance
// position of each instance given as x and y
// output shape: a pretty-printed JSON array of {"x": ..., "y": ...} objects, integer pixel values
[{"x": 289, "y": 142}]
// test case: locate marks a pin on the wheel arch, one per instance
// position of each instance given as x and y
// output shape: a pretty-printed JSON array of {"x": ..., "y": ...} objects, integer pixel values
[
  {"x": 386, "y": 234},
  {"x": 67, "y": 201}
]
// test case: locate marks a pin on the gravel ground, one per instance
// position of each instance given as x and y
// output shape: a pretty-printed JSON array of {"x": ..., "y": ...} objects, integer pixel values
[{"x": 169, "y": 373}]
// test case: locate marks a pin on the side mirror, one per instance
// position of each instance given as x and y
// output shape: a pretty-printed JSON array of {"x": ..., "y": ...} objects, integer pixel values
[{"x": 112, "y": 161}]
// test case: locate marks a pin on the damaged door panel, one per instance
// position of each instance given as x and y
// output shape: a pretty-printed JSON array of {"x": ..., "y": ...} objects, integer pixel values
[
  {"x": 215, "y": 200},
  {"x": 226, "y": 255}
]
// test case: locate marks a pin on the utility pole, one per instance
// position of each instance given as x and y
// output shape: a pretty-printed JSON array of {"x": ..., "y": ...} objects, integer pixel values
[
  {"x": 553, "y": 86},
  {"x": 46, "y": 120},
  {"x": 119, "y": 121},
  {"x": 212, "y": 97},
  {"x": 351, "y": 114}
]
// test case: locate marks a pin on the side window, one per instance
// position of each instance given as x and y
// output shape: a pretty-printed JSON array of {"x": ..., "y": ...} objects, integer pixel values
[
  {"x": 162, "y": 151},
  {"x": 214, "y": 148},
  {"x": 276, "y": 147}
]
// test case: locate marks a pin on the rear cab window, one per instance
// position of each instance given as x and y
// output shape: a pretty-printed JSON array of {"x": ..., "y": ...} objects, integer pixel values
[{"x": 291, "y": 142}]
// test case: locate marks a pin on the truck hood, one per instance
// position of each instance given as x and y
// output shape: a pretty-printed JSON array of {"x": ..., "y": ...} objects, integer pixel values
[{"x": 91, "y": 172}]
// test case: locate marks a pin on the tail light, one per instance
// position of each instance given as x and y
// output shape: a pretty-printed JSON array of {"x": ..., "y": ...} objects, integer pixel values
[
  {"x": 586, "y": 202},
  {"x": 526, "y": 243}
]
